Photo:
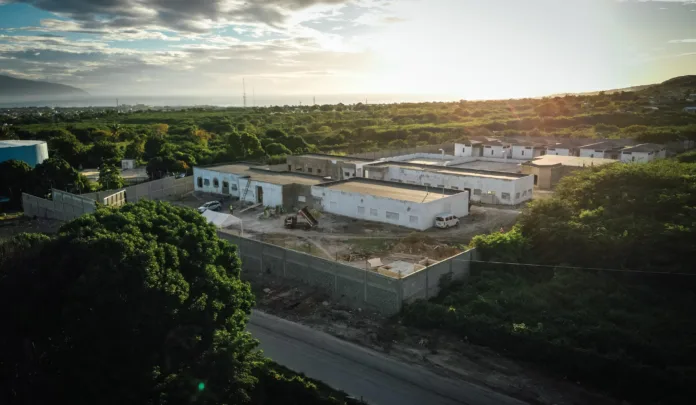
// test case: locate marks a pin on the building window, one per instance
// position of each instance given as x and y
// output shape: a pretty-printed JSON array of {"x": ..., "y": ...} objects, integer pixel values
[
  {"x": 491, "y": 151},
  {"x": 524, "y": 193},
  {"x": 233, "y": 187},
  {"x": 393, "y": 216},
  {"x": 477, "y": 191},
  {"x": 289, "y": 168},
  {"x": 592, "y": 155},
  {"x": 455, "y": 188},
  {"x": 413, "y": 219},
  {"x": 309, "y": 170},
  {"x": 301, "y": 198},
  {"x": 206, "y": 182},
  {"x": 633, "y": 158},
  {"x": 373, "y": 212},
  {"x": 517, "y": 196},
  {"x": 522, "y": 153},
  {"x": 529, "y": 191},
  {"x": 200, "y": 182},
  {"x": 216, "y": 182},
  {"x": 505, "y": 196},
  {"x": 333, "y": 204},
  {"x": 361, "y": 210},
  {"x": 318, "y": 171}
]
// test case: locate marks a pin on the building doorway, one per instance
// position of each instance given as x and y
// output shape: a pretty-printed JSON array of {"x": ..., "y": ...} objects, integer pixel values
[
  {"x": 536, "y": 179},
  {"x": 225, "y": 187},
  {"x": 259, "y": 194}
]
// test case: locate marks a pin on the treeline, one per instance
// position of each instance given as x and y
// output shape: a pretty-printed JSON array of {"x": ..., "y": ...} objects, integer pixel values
[
  {"x": 627, "y": 330},
  {"x": 138, "y": 305}
]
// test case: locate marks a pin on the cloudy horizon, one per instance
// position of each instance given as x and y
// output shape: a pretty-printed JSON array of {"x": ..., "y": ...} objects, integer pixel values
[{"x": 455, "y": 48}]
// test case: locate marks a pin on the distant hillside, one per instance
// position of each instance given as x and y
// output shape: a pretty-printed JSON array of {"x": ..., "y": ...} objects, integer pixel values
[
  {"x": 687, "y": 82},
  {"x": 12, "y": 87},
  {"x": 612, "y": 91}
]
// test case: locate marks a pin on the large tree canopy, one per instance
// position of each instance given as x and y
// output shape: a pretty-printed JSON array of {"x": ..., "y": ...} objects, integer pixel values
[{"x": 133, "y": 306}]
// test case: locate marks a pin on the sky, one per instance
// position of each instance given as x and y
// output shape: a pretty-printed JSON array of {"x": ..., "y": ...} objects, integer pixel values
[{"x": 469, "y": 49}]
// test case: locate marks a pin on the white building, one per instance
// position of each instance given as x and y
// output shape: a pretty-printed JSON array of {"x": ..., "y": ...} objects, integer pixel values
[
  {"x": 643, "y": 153},
  {"x": 691, "y": 110},
  {"x": 256, "y": 185},
  {"x": 488, "y": 187},
  {"x": 484, "y": 148},
  {"x": 405, "y": 205},
  {"x": 604, "y": 149},
  {"x": 560, "y": 149},
  {"x": 527, "y": 151}
]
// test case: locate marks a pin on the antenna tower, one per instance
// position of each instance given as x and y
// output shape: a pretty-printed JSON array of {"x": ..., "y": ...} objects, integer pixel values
[{"x": 244, "y": 92}]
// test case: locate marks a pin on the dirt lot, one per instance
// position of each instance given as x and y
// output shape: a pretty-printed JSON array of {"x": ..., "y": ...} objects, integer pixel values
[
  {"x": 352, "y": 241},
  {"x": 16, "y": 224}
]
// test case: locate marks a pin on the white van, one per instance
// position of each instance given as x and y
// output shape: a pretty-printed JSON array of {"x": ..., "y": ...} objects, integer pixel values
[{"x": 446, "y": 220}]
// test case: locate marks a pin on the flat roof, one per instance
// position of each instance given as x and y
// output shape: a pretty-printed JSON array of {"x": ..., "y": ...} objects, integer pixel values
[
  {"x": 460, "y": 171},
  {"x": 644, "y": 147},
  {"x": 265, "y": 175},
  {"x": 334, "y": 157},
  {"x": 574, "y": 161},
  {"x": 14, "y": 143},
  {"x": 488, "y": 166},
  {"x": 386, "y": 189}
]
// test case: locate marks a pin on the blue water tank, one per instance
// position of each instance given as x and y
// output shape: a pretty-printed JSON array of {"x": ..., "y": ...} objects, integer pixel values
[{"x": 31, "y": 152}]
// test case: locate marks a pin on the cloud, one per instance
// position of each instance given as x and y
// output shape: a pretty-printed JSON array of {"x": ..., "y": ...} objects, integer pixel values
[
  {"x": 682, "y": 41},
  {"x": 177, "y": 15}
]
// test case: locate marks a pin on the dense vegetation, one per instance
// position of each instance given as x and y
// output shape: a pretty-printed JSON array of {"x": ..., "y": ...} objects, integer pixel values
[
  {"x": 138, "y": 305},
  {"x": 629, "y": 333},
  {"x": 174, "y": 141}
]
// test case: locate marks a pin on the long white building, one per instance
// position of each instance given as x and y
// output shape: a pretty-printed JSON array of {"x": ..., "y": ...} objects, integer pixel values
[
  {"x": 411, "y": 206},
  {"x": 488, "y": 187}
]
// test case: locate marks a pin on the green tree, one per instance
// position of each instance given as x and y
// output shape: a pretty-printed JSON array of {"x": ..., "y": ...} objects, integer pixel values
[
  {"x": 154, "y": 146},
  {"x": 7, "y": 132},
  {"x": 140, "y": 305},
  {"x": 110, "y": 177},
  {"x": 15, "y": 177},
  {"x": 66, "y": 146},
  {"x": 274, "y": 149},
  {"x": 135, "y": 149},
  {"x": 252, "y": 146},
  {"x": 55, "y": 173},
  {"x": 104, "y": 152}
]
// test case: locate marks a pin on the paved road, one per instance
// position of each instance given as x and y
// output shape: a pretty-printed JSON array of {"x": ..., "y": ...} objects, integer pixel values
[{"x": 360, "y": 372}]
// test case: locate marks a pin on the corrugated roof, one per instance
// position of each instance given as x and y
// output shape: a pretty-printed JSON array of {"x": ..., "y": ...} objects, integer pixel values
[{"x": 644, "y": 147}]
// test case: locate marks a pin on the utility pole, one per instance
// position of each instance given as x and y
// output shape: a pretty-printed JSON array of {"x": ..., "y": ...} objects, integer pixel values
[{"x": 244, "y": 98}]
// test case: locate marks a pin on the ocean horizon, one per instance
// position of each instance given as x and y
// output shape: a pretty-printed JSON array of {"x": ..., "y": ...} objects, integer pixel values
[{"x": 222, "y": 101}]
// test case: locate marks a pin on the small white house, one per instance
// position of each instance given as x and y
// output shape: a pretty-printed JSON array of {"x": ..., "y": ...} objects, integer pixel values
[
  {"x": 496, "y": 149},
  {"x": 690, "y": 110},
  {"x": 559, "y": 150},
  {"x": 604, "y": 150},
  {"x": 527, "y": 151},
  {"x": 127, "y": 164},
  {"x": 404, "y": 205},
  {"x": 643, "y": 153}
]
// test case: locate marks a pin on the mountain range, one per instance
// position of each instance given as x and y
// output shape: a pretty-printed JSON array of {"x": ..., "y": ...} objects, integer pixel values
[{"x": 14, "y": 87}]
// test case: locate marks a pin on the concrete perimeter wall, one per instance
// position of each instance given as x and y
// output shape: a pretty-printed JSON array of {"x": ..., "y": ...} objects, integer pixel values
[
  {"x": 448, "y": 148},
  {"x": 152, "y": 190},
  {"x": 425, "y": 284},
  {"x": 357, "y": 287},
  {"x": 64, "y": 206}
]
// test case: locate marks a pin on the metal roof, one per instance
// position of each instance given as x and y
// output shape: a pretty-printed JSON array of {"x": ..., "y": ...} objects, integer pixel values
[
  {"x": 460, "y": 171},
  {"x": 573, "y": 161}
]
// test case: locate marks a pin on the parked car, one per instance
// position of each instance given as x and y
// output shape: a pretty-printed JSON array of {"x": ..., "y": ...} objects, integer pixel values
[
  {"x": 446, "y": 220},
  {"x": 210, "y": 205}
]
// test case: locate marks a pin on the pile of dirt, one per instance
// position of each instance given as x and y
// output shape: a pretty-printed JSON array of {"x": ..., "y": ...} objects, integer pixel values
[{"x": 423, "y": 245}]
